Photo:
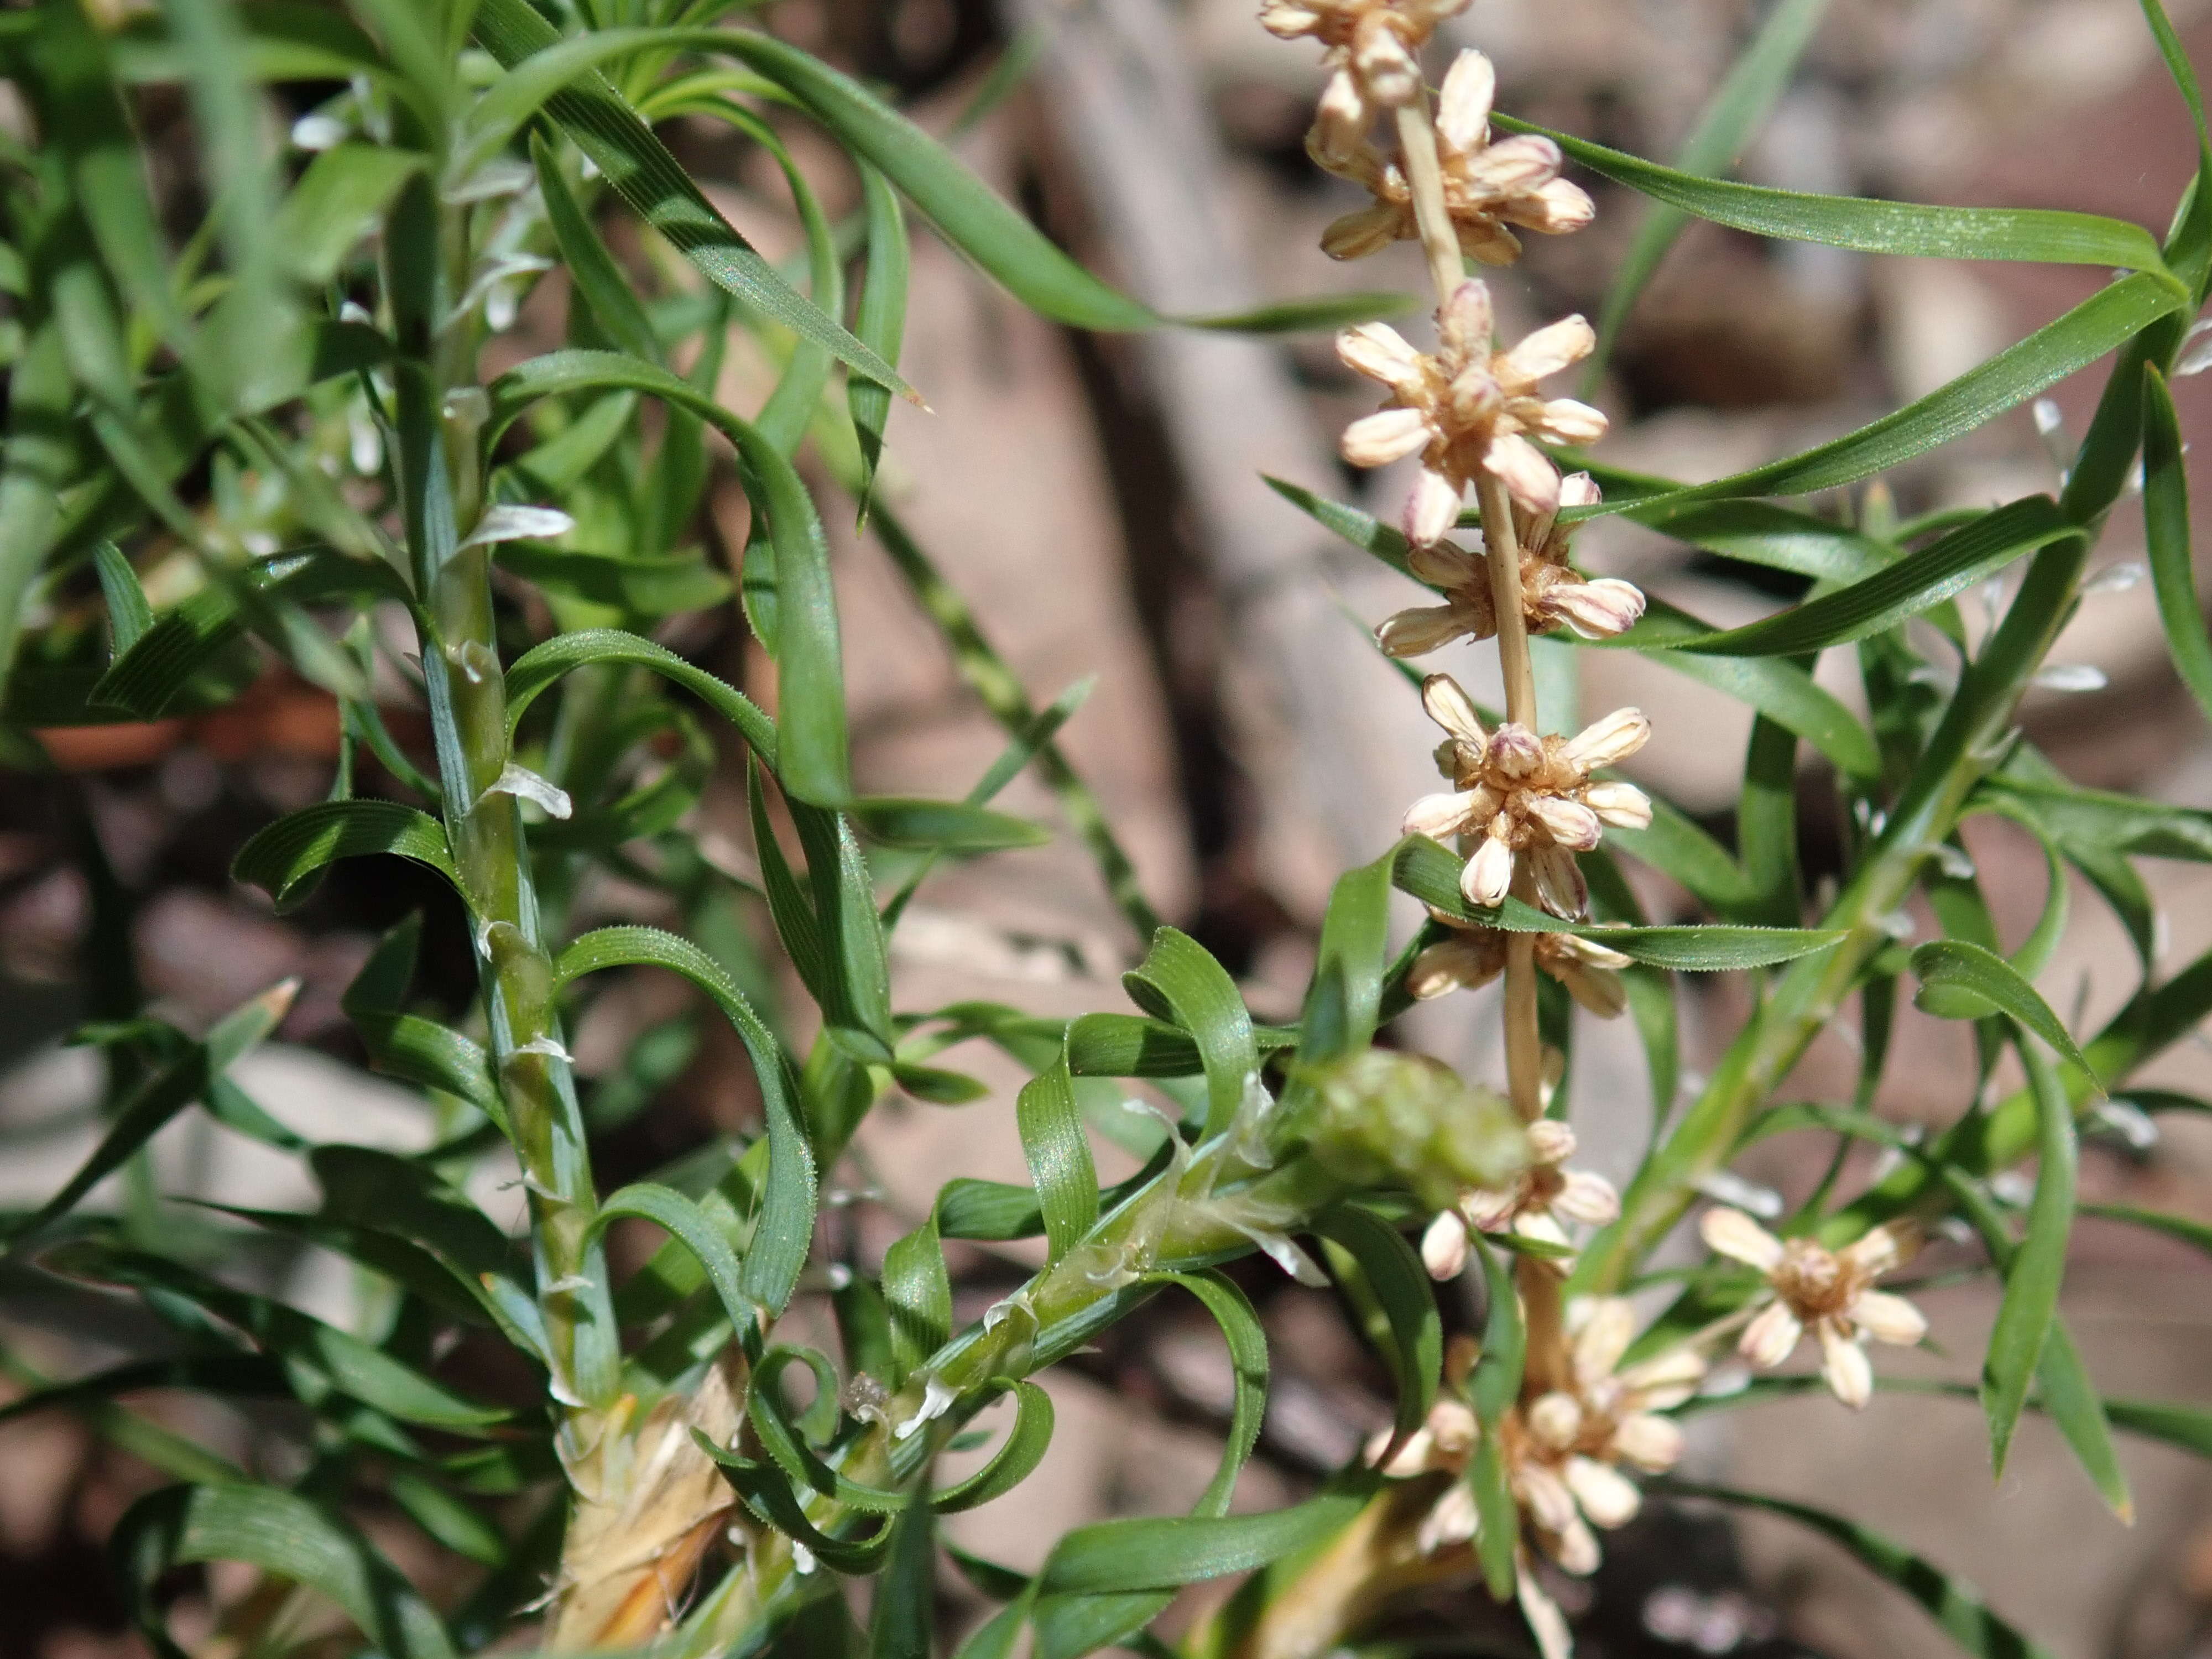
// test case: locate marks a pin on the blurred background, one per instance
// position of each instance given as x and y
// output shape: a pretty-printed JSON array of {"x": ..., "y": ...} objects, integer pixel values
[{"x": 1098, "y": 502}]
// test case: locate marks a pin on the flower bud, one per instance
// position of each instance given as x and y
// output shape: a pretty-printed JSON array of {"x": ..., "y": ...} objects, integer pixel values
[{"x": 1381, "y": 1119}]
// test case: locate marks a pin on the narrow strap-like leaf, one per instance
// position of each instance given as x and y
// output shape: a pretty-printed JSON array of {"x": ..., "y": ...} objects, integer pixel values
[
  {"x": 639, "y": 168},
  {"x": 1059, "y": 1156},
  {"x": 784, "y": 1229},
  {"x": 2038, "y": 1267},
  {"x": 1180, "y": 981},
  {"x": 1411, "y": 1339},
  {"x": 918, "y": 1290},
  {"x": 281, "y": 858},
  {"x": 1958, "y": 967},
  {"x": 2166, "y": 529},
  {"x": 1952, "y": 1602},
  {"x": 2038, "y": 235},
  {"x": 1742, "y": 101},
  {"x": 1495, "y": 1386},
  {"x": 1917, "y": 582},
  {"x": 282, "y": 1533}
]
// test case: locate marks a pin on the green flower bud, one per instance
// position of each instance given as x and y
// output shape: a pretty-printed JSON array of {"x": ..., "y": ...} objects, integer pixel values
[{"x": 1382, "y": 1119}]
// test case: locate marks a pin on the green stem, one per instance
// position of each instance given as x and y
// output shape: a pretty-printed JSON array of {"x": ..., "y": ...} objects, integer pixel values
[
  {"x": 441, "y": 417},
  {"x": 1965, "y": 748}
]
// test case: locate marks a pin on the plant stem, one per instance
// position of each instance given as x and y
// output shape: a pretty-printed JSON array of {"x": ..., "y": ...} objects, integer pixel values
[
  {"x": 1966, "y": 746},
  {"x": 1417, "y": 141},
  {"x": 441, "y": 418},
  {"x": 1539, "y": 1285}
]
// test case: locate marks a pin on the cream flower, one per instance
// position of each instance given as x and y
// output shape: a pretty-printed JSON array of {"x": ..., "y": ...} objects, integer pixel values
[
  {"x": 1370, "y": 59},
  {"x": 1487, "y": 186},
  {"x": 1565, "y": 1450},
  {"x": 1831, "y": 1291},
  {"x": 1541, "y": 1200},
  {"x": 1468, "y": 408},
  {"x": 1579, "y": 1437},
  {"x": 1477, "y": 955},
  {"x": 1526, "y": 794},
  {"x": 1552, "y": 593}
]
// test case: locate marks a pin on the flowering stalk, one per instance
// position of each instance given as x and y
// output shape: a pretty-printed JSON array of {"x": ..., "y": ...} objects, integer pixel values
[{"x": 1524, "y": 1057}]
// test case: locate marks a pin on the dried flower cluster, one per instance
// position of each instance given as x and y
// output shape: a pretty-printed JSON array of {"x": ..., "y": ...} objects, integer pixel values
[
  {"x": 1523, "y": 795},
  {"x": 1487, "y": 185},
  {"x": 1553, "y": 594},
  {"x": 1468, "y": 409},
  {"x": 1567, "y": 1447}
]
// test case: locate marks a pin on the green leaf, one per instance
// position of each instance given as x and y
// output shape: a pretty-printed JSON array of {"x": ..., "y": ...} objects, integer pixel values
[
  {"x": 281, "y": 858},
  {"x": 2192, "y": 1232},
  {"x": 686, "y": 1222},
  {"x": 2112, "y": 316},
  {"x": 784, "y": 1229},
  {"x": 1917, "y": 582},
  {"x": 1013, "y": 1463},
  {"x": 403, "y": 1045},
  {"x": 449, "y": 1521},
  {"x": 1738, "y": 107},
  {"x": 2094, "y": 817},
  {"x": 1764, "y": 533},
  {"x": 1179, "y": 981},
  {"x": 947, "y": 826},
  {"x": 2038, "y": 235},
  {"x": 2166, "y": 528},
  {"x": 813, "y": 761},
  {"x": 880, "y": 319},
  {"x": 1495, "y": 1386},
  {"x": 599, "y": 280},
  {"x": 2072, "y": 1401},
  {"x": 319, "y": 1359},
  {"x": 2189, "y": 245},
  {"x": 160, "y": 1097},
  {"x": 1952, "y": 1604},
  {"x": 654, "y": 184},
  {"x": 1117, "y": 1556},
  {"x": 1344, "y": 999},
  {"x": 918, "y": 1290},
  {"x": 340, "y": 199},
  {"x": 154, "y": 677},
  {"x": 281, "y": 1534},
  {"x": 1956, "y": 975},
  {"x": 905, "y": 1616},
  {"x": 1070, "y": 1624},
  {"x": 964, "y": 209},
  {"x": 1412, "y": 1334},
  {"x": 1431, "y": 874},
  {"x": 129, "y": 615},
  {"x": 1777, "y": 688},
  {"x": 537, "y": 669},
  {"x": 1060, "y": 1168},
  {"x": 2037, "y": 1267}
]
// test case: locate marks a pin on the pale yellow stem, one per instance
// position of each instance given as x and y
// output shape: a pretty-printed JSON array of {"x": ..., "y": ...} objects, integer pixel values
[{"x": 1417, "y": 141}]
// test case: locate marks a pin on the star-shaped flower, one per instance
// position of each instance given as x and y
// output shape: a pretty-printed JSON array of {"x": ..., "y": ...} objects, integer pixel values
[
  {"x": 1830, "y": 1291},
  {"x": 1370, "y": 59},
  {"x": 1468, "y": 408},
  {"x": 1526, "y": 794},
  {"x": 1553, "y": 594},
  {"x": 1535, "y": 1207},
  {"x": 1487, "y": 186}
]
